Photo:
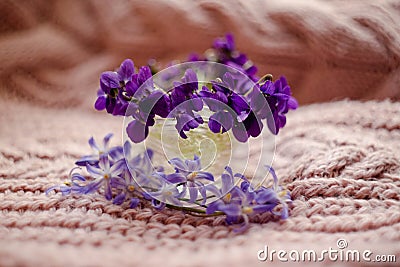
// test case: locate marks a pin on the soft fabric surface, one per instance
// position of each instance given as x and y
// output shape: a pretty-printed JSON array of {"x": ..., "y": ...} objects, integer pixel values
[
  {"x": 52, "y": 51},
  {"x": 340, "y": 160}
]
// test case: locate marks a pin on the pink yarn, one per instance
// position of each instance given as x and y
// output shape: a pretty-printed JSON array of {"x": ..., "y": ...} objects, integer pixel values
[
  {"x": 342, "y": 167},
  {"x": 341, "y": 160},
  {"x": 326, "y": 49}
]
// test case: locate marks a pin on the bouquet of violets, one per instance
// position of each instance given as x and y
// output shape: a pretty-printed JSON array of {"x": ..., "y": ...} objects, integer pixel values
[{"x": 237, "y": 100}]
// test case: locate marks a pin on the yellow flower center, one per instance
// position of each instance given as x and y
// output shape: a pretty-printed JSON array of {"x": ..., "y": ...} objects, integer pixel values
[
  {"x": 247, "y": 210},
  {"x": 191, "y": 176},
  {"x": 131, "y": 188},
  {"x": 227, "y": 198},
  {"x": 282, "y": 193},
  {"x": 106, "y": 176},
  {"x": 67, "y": 183}
]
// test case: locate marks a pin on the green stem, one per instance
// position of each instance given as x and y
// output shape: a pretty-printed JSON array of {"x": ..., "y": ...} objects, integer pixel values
[
  {"x": 192, "y": 211},
  {"x": 195, "y": 212},
  {"x": 188, "y": 209},
  {"x": 149, "y": 188},
  {"x": 215, "y": 214},
  {"x": 196, "y": 202}
]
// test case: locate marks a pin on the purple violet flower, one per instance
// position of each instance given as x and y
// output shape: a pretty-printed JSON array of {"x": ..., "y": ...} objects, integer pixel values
[
  {"x": 146, "y": 103},
  {"x": 277, "y": 96},
  {"x": 127, "y": 93},
  {"x": 231, "y": 110},
  {"x": 113, "y": 86},
  {"x": 184, "y": 103},
  {"x": 130, "y": 93},
  {"x": 226, "y": 54}
]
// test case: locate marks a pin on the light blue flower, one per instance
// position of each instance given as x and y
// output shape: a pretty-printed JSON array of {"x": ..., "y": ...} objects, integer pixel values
[
  {"x": 189, "y": 173},
  {"x": 104, "y": 173},
  {"x": 166, "y": 193},
  {"x": 99, "y": 150}
]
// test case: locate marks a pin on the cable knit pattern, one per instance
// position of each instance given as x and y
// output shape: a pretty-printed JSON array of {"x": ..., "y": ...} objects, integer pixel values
[
  {"x": 50, "y": 50},
  {"x": 341, "y": 160},
  {"x": 342, "y": 166}
]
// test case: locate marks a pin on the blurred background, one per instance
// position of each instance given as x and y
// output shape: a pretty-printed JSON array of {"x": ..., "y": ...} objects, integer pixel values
[{"x": 52, "y": 51}]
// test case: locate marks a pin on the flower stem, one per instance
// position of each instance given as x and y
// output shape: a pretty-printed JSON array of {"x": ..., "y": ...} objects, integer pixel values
[
  {"x": 195, "y": 212},
  {"x": 189, "y": 209}
]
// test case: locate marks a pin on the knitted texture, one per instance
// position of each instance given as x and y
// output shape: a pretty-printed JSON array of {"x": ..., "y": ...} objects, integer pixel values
[
  {"x": 52, "y": 51},
  {"x": 340, "y": 160}
]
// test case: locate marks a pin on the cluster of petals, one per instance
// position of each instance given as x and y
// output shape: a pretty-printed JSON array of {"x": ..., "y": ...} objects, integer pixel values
[{"x": 123, "y": 177}]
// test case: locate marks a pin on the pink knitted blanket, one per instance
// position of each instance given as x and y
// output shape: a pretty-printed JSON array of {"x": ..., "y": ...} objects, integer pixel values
[
  {"x": 341, "y": 160},
  {"x": 52, "y": 51}
]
